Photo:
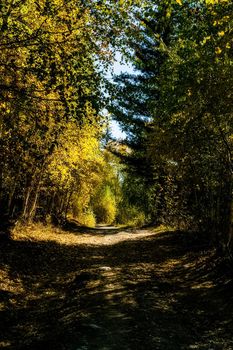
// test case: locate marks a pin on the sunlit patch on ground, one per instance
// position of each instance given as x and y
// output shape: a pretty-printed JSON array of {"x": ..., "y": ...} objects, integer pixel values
[
  {"x": 4, "y": 344},
  {"x": 101, "y": 236}
]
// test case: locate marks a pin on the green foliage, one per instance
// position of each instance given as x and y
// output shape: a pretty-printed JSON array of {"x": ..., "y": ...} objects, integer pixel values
[
  {"x": 177, "y": 112},
  {"x": 104, "y": 205},
  {"x": 130, "y": 215}
]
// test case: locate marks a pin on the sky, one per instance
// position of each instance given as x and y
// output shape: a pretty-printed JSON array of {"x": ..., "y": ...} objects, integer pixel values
[{"x": 118, "y": 68}]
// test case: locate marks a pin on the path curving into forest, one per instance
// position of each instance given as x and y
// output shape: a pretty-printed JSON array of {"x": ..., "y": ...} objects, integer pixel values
[{"x": 113, "y": 289}]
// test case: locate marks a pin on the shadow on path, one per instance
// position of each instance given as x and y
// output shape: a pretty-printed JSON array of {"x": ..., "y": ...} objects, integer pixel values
[{"x": 149, "y": 293}]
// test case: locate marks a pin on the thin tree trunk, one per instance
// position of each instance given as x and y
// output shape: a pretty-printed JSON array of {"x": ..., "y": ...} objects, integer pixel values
[
  {"x": 32, "y": 211},
  {"x": 68, "y": 202},
  {"x": 26, "y": 202}
]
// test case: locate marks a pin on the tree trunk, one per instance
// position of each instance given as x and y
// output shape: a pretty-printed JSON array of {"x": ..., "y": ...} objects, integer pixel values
[
  {"x": 68, "y": 203},
  {"x": 26, "y": 203}
]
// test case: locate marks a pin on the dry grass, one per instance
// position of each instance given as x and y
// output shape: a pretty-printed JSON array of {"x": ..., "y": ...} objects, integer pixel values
[{"x": 39, "y": 232}]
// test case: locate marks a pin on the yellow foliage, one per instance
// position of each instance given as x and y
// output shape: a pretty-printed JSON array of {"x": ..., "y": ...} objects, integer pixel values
[
  {"x": 169, "y": 12},
  {"x": 77, "y": 161},
  {"x": 218, "y": 50},
  {"x": 207, "y": 38},
  {"x": 221, "y": 33},
  {"x": 213, "y": 2},
  {"x": 86, "y": 218}
]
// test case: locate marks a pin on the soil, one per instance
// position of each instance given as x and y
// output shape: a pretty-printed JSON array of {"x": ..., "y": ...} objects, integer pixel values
[{"x": 113, "y": 289}]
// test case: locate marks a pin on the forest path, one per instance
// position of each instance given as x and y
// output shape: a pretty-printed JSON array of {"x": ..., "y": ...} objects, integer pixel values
[{"x": 112, "y": 289}]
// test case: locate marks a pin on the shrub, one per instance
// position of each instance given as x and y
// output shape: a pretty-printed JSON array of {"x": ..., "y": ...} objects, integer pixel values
[
  {"x": 130, "y": 215},
  {"x": 87, "y": 218},
  {"x": 104, "y": 206}
]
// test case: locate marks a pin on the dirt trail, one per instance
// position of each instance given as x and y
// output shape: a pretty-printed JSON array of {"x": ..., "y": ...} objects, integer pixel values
[{"x": 113, "y": 290}]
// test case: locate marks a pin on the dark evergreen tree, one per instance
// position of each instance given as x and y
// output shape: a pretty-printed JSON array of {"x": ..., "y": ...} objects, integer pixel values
[{"x": 178, "y": 112}]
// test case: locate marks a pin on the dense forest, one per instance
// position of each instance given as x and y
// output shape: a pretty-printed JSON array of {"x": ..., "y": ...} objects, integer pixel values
[
  {"x": 53, "y": 55},
  {"x": 57, "y": 158},
  {"x": 110, "y": 243},
  {"x": 177, "y": 112}
]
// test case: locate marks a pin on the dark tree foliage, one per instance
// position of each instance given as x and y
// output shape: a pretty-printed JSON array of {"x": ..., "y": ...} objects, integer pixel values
[{"x": 177, "y": 111}]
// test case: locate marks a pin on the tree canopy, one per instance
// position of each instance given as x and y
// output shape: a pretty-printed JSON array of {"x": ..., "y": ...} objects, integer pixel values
[
  {"x": 52, "y": 58},
  {"x": 177, "y": 110}
]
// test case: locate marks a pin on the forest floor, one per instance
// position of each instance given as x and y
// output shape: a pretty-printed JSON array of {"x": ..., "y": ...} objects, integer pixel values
[{"x": 113, "y": 289}]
